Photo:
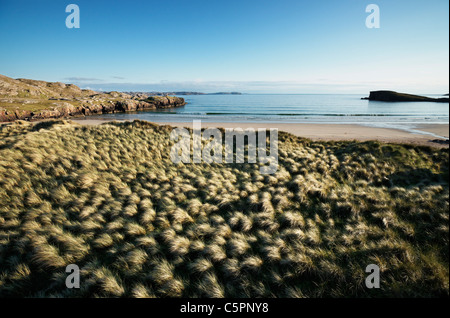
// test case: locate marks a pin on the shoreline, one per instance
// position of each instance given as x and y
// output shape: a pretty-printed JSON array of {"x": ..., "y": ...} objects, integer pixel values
[
  {"x": 419, "y": 135},
  {"x": 422, "y": 134}
]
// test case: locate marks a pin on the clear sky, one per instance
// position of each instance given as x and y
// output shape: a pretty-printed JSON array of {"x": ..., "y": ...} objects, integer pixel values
[{"x": 254, "y": 46}]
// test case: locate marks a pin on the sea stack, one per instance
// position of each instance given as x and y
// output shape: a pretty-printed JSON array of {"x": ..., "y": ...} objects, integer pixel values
[{"x": 391, "y": 96}]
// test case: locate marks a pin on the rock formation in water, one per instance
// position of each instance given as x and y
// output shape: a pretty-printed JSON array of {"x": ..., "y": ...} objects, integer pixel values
[{"x": 391, "y": 96}]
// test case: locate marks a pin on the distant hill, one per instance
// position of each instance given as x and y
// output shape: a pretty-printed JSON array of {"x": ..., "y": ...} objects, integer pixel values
[
  {"x": 27, "y": 88},
  {"x": 391, "y": 96}
]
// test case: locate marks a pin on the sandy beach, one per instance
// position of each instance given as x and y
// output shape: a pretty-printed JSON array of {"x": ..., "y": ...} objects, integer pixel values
[
  {"x": 418, "y": 136},
  {"x": 423, "y": 134}
]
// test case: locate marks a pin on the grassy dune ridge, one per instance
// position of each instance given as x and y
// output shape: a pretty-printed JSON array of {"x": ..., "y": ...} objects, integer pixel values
[{"x": 108, "y": 199}]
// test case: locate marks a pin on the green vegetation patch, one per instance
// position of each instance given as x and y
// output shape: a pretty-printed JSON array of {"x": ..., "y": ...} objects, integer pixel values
[
  {"x": 34, "y": 105},
  {"x": 109, "y": 199}
]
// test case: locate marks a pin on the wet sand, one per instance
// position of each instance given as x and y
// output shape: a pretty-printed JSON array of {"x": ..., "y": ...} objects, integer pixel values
[{"x": 437, "y": 129}]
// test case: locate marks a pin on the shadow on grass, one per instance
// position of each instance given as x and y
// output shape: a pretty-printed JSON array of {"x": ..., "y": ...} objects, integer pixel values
[{"x": 417, "y": 177}]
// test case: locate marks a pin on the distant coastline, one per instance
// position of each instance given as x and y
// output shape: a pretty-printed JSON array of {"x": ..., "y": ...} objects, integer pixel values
[{"x": 182, "y": 93}]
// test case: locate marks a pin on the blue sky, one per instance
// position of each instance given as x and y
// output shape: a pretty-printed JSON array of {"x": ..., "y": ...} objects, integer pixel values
[{"x": 254, "y": 46}]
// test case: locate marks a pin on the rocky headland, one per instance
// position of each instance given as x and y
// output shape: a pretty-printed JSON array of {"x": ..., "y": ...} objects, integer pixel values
[{"x": 25, "y": 99}]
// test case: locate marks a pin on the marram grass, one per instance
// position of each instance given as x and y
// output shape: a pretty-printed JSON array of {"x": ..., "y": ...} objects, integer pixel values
[{"x": 108, "y": 199}]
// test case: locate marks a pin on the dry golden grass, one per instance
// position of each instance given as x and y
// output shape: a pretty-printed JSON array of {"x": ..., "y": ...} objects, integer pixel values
[{"x": 108, "y": 199}]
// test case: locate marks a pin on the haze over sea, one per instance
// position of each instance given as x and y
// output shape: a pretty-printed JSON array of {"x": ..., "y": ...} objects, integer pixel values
[{"x": 306, "y": 108}]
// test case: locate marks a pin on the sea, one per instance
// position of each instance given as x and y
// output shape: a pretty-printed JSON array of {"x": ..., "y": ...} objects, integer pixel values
[{"x": 299, "y": 108}]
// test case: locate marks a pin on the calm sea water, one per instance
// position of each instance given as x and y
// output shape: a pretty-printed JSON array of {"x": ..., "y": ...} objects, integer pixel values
[{"x": 295, "y": 109}]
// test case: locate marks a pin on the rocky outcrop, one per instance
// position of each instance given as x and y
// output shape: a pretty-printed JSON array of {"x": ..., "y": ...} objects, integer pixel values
[
  {"x": 441, "y": 141},
  {"x": 93, "y": 107},
  {"x": 27, "y": 99},
  {"x": 166, "y": 101},
  {"x": 14, "y": 115},
  {"x": 391, "y": 96}
]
